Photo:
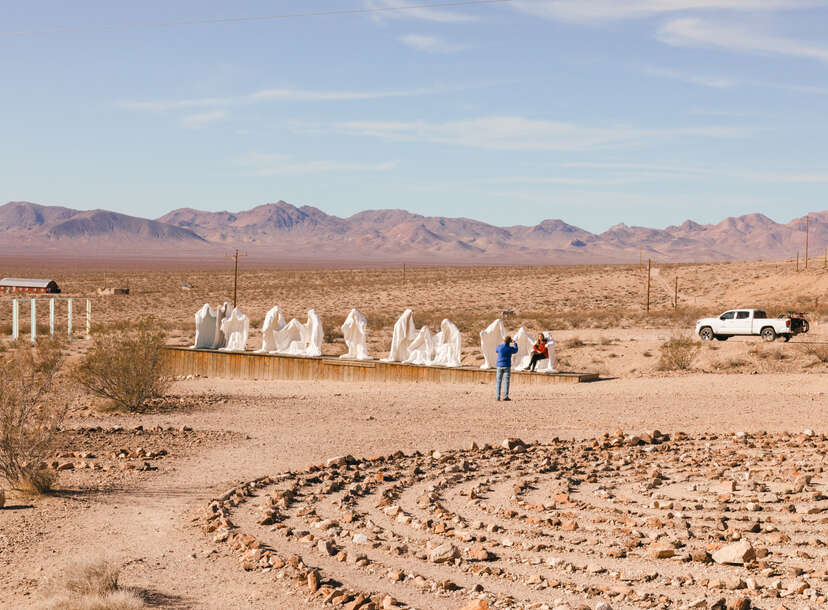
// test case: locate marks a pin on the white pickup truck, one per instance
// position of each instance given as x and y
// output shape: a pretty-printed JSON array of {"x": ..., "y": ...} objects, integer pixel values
[{"x": 751, "y": 322}]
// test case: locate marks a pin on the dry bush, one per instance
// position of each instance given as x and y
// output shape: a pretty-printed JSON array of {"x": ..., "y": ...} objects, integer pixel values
[
  {"x": 332, "y": 332},
  {"x": 574, "y": 342},
  {"x": 91, "y": 584},
  {"x": 29, "y": 416},
  {"x": 818, "y": 350},
  {"x": 678, "y": 353},
  {"x": 125, "y": 367}
]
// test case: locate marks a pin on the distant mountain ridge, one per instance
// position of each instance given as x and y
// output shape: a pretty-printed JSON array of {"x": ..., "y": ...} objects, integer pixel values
[{"x": 282, "y": 231}]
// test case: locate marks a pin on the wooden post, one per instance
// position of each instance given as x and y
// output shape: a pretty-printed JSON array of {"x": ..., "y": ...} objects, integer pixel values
[
  {"x": 675, "y": 295},
  {"x": 807, "y": 218},
  {"x": 15, "y": 319},
  {"x": 235, "y": 256},
  {"x": 640, "y": 258},
  {"x": 88, "y": 318},
  {"x": 797, "y": 260},
  {"x": 33, "y": 329},
  {"x": 649, "y": 266},
  {"x": 825, "y": 259}
]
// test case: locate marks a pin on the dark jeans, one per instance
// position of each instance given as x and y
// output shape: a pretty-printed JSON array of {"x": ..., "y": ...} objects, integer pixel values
[{"x": 536, "y": 357}]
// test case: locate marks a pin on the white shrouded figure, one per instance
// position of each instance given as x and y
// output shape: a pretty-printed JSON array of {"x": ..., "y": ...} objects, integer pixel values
[
  {"x": 309, "y": 339},
  {"x": 447, "y": 345},
  {"x": 235, "y": 328},
  {"x": 489, "y": 340},
  {"x": 524, "y": 354},
  {"x": 548, "y": 365},
  {"x": 404, "y": 334},
  {"x": 355, "y": 332},
  {"x": 421, "y": 349},
  {"x": 208, "y": 322},
  {"x": 289, "y": 334},
  {"x": 274, "y": 322}
]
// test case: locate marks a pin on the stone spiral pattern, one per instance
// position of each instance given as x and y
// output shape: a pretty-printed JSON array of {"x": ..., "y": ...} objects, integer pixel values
[{"x": 646, "y": 521}]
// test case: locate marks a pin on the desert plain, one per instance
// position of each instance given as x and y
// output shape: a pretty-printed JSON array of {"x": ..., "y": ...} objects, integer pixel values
[{"x": 654, "y": 487}]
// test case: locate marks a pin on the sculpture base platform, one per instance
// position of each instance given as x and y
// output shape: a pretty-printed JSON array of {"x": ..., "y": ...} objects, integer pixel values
[{"x": 182, "y": 361}]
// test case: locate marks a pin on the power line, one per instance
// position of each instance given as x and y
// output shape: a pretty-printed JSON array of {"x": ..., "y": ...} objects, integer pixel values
[{"x": 332, "y": 13}]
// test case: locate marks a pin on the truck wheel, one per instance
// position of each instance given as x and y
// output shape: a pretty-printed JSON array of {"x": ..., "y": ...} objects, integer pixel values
[
  {"x": 768, "y": 334},
  {"x": 805, "y": 326},
  {"x": 706, "y": 334}
]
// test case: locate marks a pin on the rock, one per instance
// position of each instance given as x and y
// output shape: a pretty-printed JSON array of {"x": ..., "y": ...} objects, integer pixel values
[
  {"x": 737, "y": 553},
  {"x": 476, "y": 604},
  {"x": 479, "y": 553},
  {"x": 339, "y": 460},
  {"x": 326, "y": 547},
  {"x": 313, "y": 581},
  {"x": 443, "y": 553},
  {"x": 603, "y": 606},
  {"x": 740, "y": 603},
  {"x": 569, "y": 525},
  {"x": 661, "y": 551},
  {"x": 360, "y": 539},
  {"x": 388, "y": 602},
  {"x": 512, "y": 443}
]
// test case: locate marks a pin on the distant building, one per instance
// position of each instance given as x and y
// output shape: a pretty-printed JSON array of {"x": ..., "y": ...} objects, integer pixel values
[{"x": 16, "y": 284}]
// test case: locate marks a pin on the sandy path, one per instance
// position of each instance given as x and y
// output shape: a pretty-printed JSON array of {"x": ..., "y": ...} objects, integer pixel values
[{"x": 290, "y": 425}]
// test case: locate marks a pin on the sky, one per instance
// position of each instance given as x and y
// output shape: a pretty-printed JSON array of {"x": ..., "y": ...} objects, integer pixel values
[{"x": 647, "y": 112}]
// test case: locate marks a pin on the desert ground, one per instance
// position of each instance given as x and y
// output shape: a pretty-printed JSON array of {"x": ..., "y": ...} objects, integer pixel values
[{"x": 651, "y": 488}]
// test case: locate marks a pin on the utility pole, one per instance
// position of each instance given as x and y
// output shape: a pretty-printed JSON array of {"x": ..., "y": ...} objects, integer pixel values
[
  {"x": 235, "y": 256},
  {"x": 797, "y": 260},
  {"x": 640, "y": 258},
  {"x": 806, "y": 241},
  {"x": 675, "y": 295},
  {"x": 403, "y": 273},
  {"x": 649, "y": 265}
]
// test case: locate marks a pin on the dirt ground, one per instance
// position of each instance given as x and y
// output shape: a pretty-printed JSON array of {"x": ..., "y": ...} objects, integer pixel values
[
  {"x": 649, "y": 511},
  {"x": 145, "y": 523}
]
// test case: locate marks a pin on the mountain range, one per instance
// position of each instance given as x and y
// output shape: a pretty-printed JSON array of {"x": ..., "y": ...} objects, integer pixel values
[{"x": 281, "y": 232}]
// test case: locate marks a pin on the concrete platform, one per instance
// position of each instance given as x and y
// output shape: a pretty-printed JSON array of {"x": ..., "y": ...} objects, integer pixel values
[{"x": 182, "y": 361}]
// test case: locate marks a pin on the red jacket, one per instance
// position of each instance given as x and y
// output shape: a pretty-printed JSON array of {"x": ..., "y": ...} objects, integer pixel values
[{"x": 541, "y": 348}]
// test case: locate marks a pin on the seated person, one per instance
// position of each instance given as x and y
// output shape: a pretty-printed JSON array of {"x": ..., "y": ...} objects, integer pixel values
[{"x": 539, "y": 352}]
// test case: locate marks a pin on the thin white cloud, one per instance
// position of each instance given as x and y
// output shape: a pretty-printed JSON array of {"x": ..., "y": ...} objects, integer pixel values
[
  {"x": 284, "y": 94},
  {"x": 202, "y": 119},
  {"x": 520, "y": 133},
  {"x": 262, "y": 165},
  {"x": 667, "y": 171},
  {"x": 437, "y": 15},
  {"x": 430, "y": 44},
  {"x": 715, "y": 82},
  {"x": 609, "y": 10},
  {"x": 691, "y": 32}
]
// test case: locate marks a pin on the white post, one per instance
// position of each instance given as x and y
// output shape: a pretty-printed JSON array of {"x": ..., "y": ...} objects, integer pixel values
[
  {"x": 15, "y": 319},
  {"x": 88, "y": 318},
  {"x": 34, "y": 319},
  {"x": 51, "y": 317},
  {"x": 69, "y": 316}
]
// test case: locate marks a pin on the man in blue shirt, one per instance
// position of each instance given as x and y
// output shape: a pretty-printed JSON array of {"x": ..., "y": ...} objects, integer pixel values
[{"x": 504, "y": 364}]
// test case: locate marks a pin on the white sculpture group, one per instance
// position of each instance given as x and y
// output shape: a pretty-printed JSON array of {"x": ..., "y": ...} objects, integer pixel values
[
  {"x": 412, "y": 346},
  {"x": 226, "y": 328},
  {"x": 494, "y": 335}
]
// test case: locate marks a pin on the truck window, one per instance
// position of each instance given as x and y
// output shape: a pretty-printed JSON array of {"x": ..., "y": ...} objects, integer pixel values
[
  {"x": 742, "y": 315},
  {"x": 759, "y": 314},
  {"x": 728, "y": 315}
]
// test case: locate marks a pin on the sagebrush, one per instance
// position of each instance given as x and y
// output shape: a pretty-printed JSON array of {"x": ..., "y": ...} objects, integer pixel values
[
  {"x": 91, "y": 584},
  {"x": 30, "y": 416},
  {"x": 678, "y": 353},
  {"x": 124, "y": 367}
]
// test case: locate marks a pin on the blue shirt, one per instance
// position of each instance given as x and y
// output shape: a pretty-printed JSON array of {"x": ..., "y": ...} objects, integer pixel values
[{"x": 504, "y": 354}]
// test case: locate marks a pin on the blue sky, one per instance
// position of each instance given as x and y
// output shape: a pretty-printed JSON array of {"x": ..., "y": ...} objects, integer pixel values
[{"x": 596, "y": 112}]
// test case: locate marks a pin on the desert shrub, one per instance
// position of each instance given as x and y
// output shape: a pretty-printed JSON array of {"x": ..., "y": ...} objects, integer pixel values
[
  {"x": 91, "y": 584},
  {"x": 331, "y": 333},
  {"x": 29, "y": 416},
  {"x": 817, "y": 350},
  {"x": 124, "y": 367},
  {"x": 574, "y": 342},
  {"x": 678, "y": 353}
]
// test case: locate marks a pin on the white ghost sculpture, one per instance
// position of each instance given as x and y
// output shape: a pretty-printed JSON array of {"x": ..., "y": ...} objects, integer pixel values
[
  {"x": 235, "y": 328},
  {"x": 274, "y": 322},
  {"x": 421, "y": 349},
  {"x": 521, "y": 359},
  {"x": 404, "y": 333},
  {"x": 489, "y": 340},
  {"x": 447, "y": 346},
  {"x": 208, "y": 321},
  {"x": 288, "y": 335},
  {"x": 355, "y": 330},
  {"x": 309, "y": 342}
]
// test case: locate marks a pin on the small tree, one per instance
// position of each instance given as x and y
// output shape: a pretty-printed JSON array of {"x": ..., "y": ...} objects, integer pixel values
[
  {"x": 29, "y": 416},
  {"x": 125, "y": 366}
]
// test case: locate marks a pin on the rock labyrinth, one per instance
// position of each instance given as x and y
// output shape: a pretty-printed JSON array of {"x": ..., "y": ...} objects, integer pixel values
[{"x": 644, "y": 521}]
